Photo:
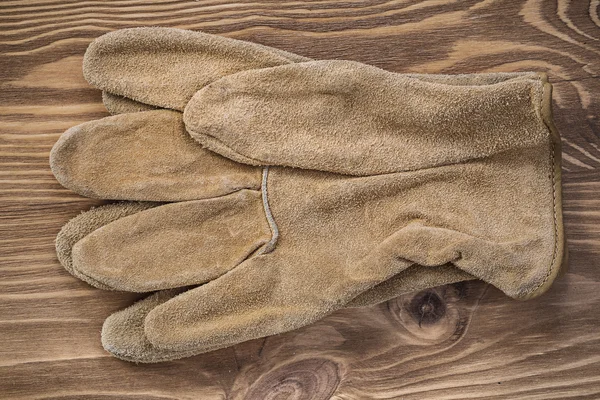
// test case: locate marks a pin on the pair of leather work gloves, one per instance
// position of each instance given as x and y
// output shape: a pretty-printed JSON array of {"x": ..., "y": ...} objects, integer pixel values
[{"x": 263, "y": 190}]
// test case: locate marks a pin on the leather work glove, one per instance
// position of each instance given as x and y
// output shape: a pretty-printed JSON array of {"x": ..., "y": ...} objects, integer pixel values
[
  {"x": 393, "y": 174},
  {"x": 127, "y": 61},
  {"x": 211, "y": 58}
]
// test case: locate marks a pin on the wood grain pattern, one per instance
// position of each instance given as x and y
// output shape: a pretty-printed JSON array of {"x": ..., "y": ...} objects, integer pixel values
[{"x": 462, "y": 341}]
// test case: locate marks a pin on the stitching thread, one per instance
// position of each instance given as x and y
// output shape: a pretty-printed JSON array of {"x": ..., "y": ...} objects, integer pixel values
[{"x": 270, "y": 246}]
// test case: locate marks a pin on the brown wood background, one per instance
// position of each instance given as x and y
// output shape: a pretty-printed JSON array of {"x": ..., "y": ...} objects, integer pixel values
[{"x": 458, "y": 342}]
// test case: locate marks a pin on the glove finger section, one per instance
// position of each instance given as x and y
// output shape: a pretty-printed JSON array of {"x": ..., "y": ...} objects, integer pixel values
[
  {"x": 177, "y": 244},
  {"x": 261, "y": 297},
  {"x": 116, "y": 104},
  {"x": 84, "y": 224},
  {"x": 164, "y": 66},
  {"x": 123, "y": 332},
  {"x": 242, "y": 305},
  {"x": 413, "y": 279},
  {"x": 145, "y": 156},
  {"x": 351, "y": 118}
]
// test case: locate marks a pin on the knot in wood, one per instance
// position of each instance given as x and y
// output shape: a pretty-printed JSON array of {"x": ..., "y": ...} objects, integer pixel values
[
  {"x": 427, "y": 308},
  {"x": 310, "y": 379}
]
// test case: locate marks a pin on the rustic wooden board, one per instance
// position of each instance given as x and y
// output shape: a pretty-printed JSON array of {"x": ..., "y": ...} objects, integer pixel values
[{"x": 455, "y": 342}]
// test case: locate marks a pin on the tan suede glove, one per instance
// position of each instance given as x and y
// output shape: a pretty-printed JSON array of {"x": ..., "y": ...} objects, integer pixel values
[
  {"x": 114, "y": 60},
  {"x": 135, "y": 62},
  {"x": 338, "y": 235}
]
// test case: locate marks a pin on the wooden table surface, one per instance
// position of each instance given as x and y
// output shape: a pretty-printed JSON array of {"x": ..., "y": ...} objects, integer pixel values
[{"x": 461, "y": 341}]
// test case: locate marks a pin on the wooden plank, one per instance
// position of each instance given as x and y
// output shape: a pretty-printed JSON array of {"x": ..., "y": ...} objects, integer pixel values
[{"x": 455, "y": 342}]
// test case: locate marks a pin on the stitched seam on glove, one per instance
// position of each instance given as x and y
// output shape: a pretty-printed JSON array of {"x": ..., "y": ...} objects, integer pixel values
[{"x": 270, "y": 246}]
